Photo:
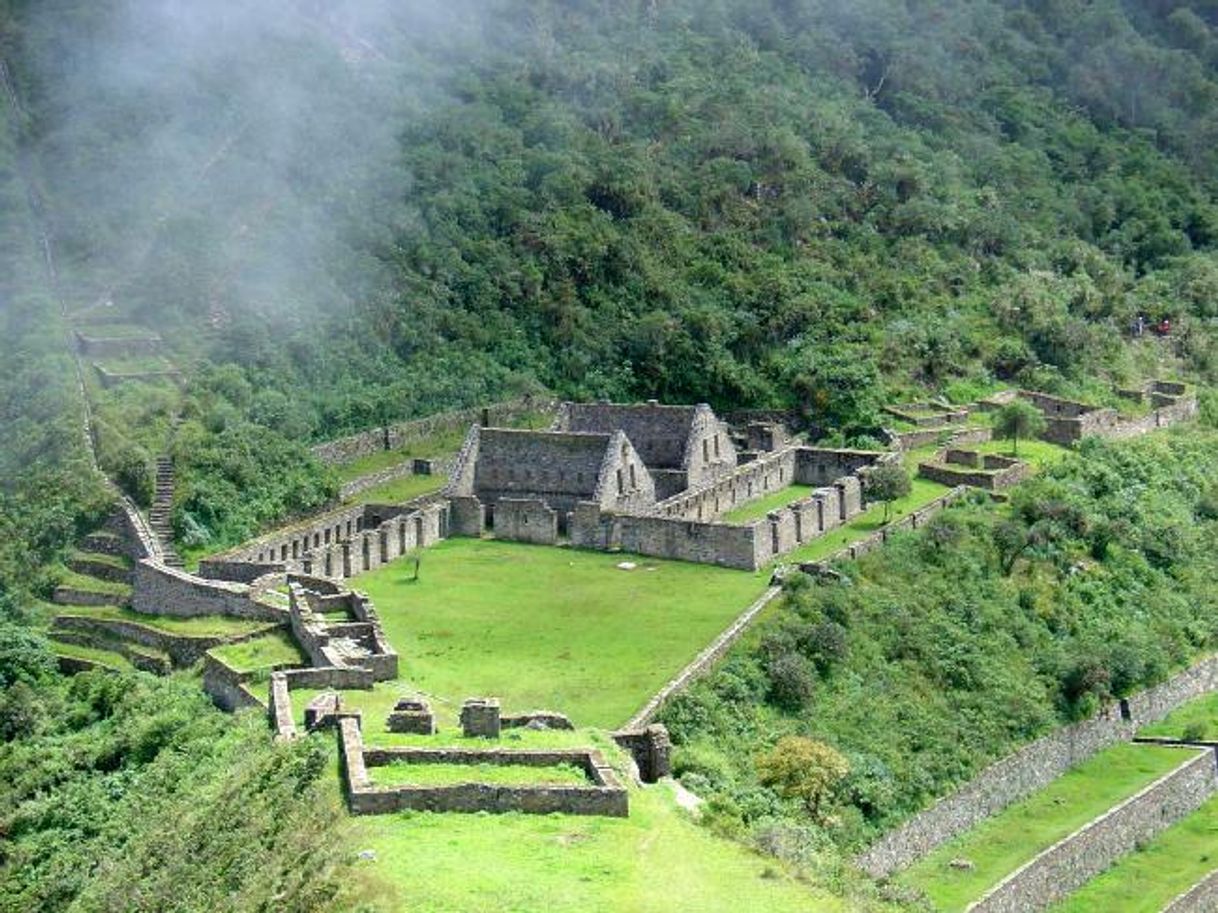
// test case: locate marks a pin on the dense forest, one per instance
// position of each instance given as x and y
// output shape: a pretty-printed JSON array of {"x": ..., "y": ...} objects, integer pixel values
[
  {"x": 343, "y": 214},
  {"x": 337, "y": 215}
]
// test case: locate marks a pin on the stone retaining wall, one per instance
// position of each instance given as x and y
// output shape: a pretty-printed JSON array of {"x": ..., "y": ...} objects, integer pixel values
[
  {"x": 223, "y": 684},
  {"x": 279, "y": 707},
  {"x": 1200, "y": 898},
  {"x": 161, "y": 590},
  {"x": 397, "y": 436},
  {"x": 1075, "y": 860},
  {"x": 183, "y": 650},
  {"x": 1031, "y": 768}
]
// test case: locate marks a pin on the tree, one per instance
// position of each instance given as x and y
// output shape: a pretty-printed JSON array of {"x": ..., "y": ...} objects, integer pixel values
[
  {"x": 886, "y": 483},
  {"x": 804, "y": 769},
  {"x": 1018, "y": 419}
]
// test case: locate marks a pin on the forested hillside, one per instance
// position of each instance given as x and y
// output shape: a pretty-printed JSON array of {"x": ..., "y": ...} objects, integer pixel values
[
  {"x": 376, "y": 213},
  {"x": 341, "y": 214}
]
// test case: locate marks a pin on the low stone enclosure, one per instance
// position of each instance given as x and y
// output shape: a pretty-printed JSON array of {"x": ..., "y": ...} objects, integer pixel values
[
  {"x": 1069, "y": 421},
  {"x": 603, "y": 795},
  {"x": 959, "y": 466},
  {"x": 1037, "y": 764}
]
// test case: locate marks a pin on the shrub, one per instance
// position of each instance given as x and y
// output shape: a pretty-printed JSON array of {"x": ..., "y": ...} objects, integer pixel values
[
  {"x": 792, "y": 681},
  {"x": 807, "y": 770}
]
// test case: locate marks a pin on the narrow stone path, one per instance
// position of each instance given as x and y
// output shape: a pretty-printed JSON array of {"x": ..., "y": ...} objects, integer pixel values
[{"x": 160, "y": 517}]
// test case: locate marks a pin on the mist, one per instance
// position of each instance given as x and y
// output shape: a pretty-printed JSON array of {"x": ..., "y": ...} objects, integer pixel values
[{"x": 232, "y": 159}]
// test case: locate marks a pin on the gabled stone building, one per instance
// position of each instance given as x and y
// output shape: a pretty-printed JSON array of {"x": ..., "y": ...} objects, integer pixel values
[
  {"x": 524, "y": 484},
  {"x": 682, "y": 446}
]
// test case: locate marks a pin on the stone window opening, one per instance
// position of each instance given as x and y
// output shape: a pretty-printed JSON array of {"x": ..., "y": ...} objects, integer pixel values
[
  {"x": 705, "y": 451},
  {"x": 716, "y": 446},
  {"x": 620, "y": 487},
  {"x": 634, "y": 482}
]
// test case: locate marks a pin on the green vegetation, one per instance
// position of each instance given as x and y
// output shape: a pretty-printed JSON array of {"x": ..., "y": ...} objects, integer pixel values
[
  {"x": 482, "y": 611},
  {"x": 69, "y": 578},
  {"x": 498, "y": 774},
  {"x": 1147, "y": 880},
  {"x": 1018, "y": 420},
  {"x": 195, "y": 626},
  {"x": 1197, "y": 720},
  {"x": 656, "y": 860},
  {"x": 953, "y": 645},
  {"x": 105, "y": 657},
  {"x": 922, "y": 492},
  {"x": 1001, "y": 844},
  {"x": 401, "y": 490},
  {"x": 275, "y": 649},
  {"x": 755, "y": 510}
]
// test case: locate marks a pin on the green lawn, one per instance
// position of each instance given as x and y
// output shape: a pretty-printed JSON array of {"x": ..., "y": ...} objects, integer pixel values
[
  {"x": 105, "y": 657},
  {"x": 442, "y": 443},
  {"x": 922, "y": 492},
  {"x": 119, "y": 562},
  {"x": 1200, "y": 716},
  {"x": 1146, "y": 881},
  {"x": 198, "y": 626},
  {"x": 655, "y": 861},
  {"x": 755, "y": 510},
  {"x": 275, "y": 649},
  {"x": 115, "y": 331},
  {"x": 1001, "y": 844},
  {"x": 134, "y": 364},
  {"x": 549, "y": 628},
  {"x": 399, "y": 490},
  {"x": 404, "y": 774},
  {"x": 69, "y": 578},
  {"x": 1038, "y": 453}
]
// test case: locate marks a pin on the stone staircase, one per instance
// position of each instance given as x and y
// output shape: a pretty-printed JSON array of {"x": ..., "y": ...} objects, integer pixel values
[{"x": 160, "y": 517}]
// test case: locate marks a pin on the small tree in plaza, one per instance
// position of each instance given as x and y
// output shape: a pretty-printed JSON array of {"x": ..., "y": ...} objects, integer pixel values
[
  {"x": 887, "y": 483},
  {"x": 1018, "y": 419}
]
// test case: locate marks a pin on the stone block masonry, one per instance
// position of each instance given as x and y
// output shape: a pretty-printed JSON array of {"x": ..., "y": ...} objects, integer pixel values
[
  {"x": 1072, "y": 862},
  {"x": 161, "y": 590},
  {"x": 480, "y": 718},
  {"x": 603, "y": 795}
]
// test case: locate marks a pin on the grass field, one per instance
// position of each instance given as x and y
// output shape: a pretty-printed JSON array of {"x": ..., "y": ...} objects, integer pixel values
[
  {"x": 442, "y": 443},
  {"x": 1199, "y": 718},
  {"x": 1038, "y": 453},
  {"x": 399, "y": 490},
  {"x": 655, "y": 861},
  {"x": 755, "y": 510},
  {"x": 543, "y": 627},
  {"x": 922, "y": 492},
  {"x": 1146, "y": 881},
  {"x": 1001, "y": 844},
  {"x": 275, "y": 649},
  {"x": 498, "y": 774}
]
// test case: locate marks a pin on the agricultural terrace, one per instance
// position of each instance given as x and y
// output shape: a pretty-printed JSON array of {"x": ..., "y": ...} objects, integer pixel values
[
  {"x": 1195, "y": 721},
  {"x": 552, "y": 628},
  {"x": 1001, "y": 844},
  {"x": 1148, "y": 879}
]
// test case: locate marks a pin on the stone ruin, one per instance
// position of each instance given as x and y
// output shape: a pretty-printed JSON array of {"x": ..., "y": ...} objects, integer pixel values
[{"x": 412, "y": 715}]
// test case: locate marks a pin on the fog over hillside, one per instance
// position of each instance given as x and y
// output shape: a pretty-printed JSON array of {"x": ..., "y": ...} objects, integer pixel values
[{"x": 233, "y": 151}]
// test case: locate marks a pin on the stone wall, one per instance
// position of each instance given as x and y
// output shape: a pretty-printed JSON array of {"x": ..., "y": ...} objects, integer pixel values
[
  {"x": 660, "y": 537},
  {"x": 224, "y": 685},
  {"x": 237, "y": 571},
  {"x": 1200, "y": 898},
  {"x": 526, "y": 520},
  {"x": 184, "y": 650},
  {"x": 1031, "y": 768},
  {"x": 604, "y": 794},
  {"x": 279, "y": 707},
  {"x": 995, "y": 474},
  {"x": 1075, "y": 860},
  {"x": 769, "y": 472},
  {"x": 101, "y": 346},
  {"x": 161, "y": 590},
  {"x": 397, "y": 436}
]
